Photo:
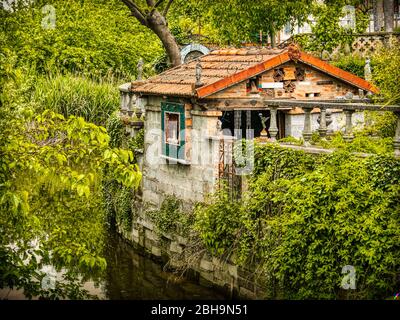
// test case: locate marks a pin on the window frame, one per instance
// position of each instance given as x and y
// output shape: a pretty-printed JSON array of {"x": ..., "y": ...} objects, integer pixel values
[{"x": 169, "y": 148}]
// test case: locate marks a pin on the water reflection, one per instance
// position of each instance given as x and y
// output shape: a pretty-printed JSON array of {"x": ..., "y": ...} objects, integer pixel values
[{"x": 130, "y": 275}]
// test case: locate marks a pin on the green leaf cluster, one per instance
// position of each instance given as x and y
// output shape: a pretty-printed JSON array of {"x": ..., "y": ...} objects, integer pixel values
[
  {"x": 304, "y": 218},
  {"x": 171, "y": 217}
]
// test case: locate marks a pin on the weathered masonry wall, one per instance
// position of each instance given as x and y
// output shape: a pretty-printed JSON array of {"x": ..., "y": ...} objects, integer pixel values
[
  {"x": 210, "y": 271},
  {"x": 189, "y": 182}
]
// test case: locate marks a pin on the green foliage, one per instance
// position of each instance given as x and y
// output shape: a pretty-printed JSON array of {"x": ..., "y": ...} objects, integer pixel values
[
  {"x": 362, "y": 19},
  {"x": 382, "y": 124},
  {"x": 137, "y": 142},
  {"x": 235, "y": 21},
  {"x": 118, "y": 201},
  {"x": 171, "y": 218},
  {"x": 50, "y": 172},
  {"x": 51, "y": 167},
  {"x": 116, "y": 130},
  {"x": 331, "y": 217},
  {"x": 78, "y": 96},
  {"x": 327, "y": 33},
  {"x": 291, "y": 140},
  {"x": 305, "y": 217},
  {"x": 352, "y": 64},
  {"x": 217, "y": 222},
  {"x": 96, "y": 38},
  {"x": 386, "y": 73},
  {"x": 386, "y": 76},
  {"x": 363, "y": 142},
  {"x": 287, "y": 163}
]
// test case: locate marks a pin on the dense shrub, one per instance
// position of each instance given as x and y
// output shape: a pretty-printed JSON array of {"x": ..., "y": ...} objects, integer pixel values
[
  {"x": 91, "y": 37},
  {"x": 171, "y": 217},
  {"x": 352, "y": 64},
  {"x": 386, "y": 72},
  {"x": 305, "y": 218},
  {"x": 217, "y": 222}
]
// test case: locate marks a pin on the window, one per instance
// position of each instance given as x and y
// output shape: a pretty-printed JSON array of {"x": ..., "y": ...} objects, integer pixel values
[{"x": 172, "y": 128}]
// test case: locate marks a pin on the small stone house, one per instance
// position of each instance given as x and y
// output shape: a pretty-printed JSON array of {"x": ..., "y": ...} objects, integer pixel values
[{"x": 227, "y": 93}]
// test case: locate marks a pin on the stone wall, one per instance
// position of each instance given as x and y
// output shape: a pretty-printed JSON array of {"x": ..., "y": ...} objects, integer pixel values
[
  {"x": 189, "y": 182},
  {"x": 225, "y": 276}
]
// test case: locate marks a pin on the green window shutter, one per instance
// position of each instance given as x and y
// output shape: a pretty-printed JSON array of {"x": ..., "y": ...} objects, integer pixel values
[{"x": 176, "y": 151}]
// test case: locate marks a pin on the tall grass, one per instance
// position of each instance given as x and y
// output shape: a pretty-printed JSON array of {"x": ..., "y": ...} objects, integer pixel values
[{"x": 69, "y": 95}]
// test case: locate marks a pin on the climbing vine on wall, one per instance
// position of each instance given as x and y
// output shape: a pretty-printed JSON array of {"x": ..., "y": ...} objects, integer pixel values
[
  {"x": 171, "y": 217},
  {"x": 305, "y": 217}
]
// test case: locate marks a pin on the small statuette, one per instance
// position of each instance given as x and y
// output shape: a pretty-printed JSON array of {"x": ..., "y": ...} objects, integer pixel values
[
  {"x": 348, "y": 95},
  {"x": 198, "y": 74},
  {"x": 264, "y": 120}
]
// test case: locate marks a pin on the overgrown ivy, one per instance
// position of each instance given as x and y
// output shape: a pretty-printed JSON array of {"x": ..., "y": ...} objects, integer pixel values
[
  {"x": 171, "y": 217},
  {"x": 304, "y": 218}
]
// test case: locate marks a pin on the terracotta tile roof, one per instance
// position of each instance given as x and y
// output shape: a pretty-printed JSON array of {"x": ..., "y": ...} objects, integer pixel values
[
  {"x": 216, "y": 66},
  {"x": 226, "y": 67},
  {"x": 337, "y": 72}
]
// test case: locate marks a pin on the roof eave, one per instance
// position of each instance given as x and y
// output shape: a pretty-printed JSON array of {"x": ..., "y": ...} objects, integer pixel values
[
  {"x": 284, "y": 57},
  {"x": 338, "y": 73}
]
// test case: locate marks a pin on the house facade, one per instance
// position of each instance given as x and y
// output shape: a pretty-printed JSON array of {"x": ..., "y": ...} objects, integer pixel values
[{"x": 193, "y": 110}]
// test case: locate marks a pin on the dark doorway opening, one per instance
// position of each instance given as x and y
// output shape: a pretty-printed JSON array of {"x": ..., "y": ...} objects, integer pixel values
[{"x": 250, "y": 119}]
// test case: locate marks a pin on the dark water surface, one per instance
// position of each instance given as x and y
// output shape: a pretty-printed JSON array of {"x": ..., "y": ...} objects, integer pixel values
[{"x": 130, "y": 275}]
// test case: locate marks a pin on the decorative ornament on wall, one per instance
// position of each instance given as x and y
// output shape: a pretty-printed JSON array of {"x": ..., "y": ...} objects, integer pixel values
[
  {"x": 289, "y": 86},
  {"x": 290, "y": 73},
  {"x": 300, "y": 74},
  {"x": 270, "y": 93},
  {"x": 279, "y": 74},
  {"x": 294, "y": 52}
]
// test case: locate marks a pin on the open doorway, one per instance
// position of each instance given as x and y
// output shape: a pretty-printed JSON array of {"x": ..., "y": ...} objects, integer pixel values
[{"x": 250, "y": 119}]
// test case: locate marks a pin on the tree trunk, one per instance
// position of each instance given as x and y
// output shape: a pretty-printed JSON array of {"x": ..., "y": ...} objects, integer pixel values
[
  {"x": 389, "y": 15},
  {"x": 378, "y": 15},
  {"x": 156, "y": 22},
  {"x": 273, "y": 42}
]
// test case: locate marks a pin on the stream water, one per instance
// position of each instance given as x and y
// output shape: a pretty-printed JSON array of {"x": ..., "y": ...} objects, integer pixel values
[{"x": 132, "y": 276}]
